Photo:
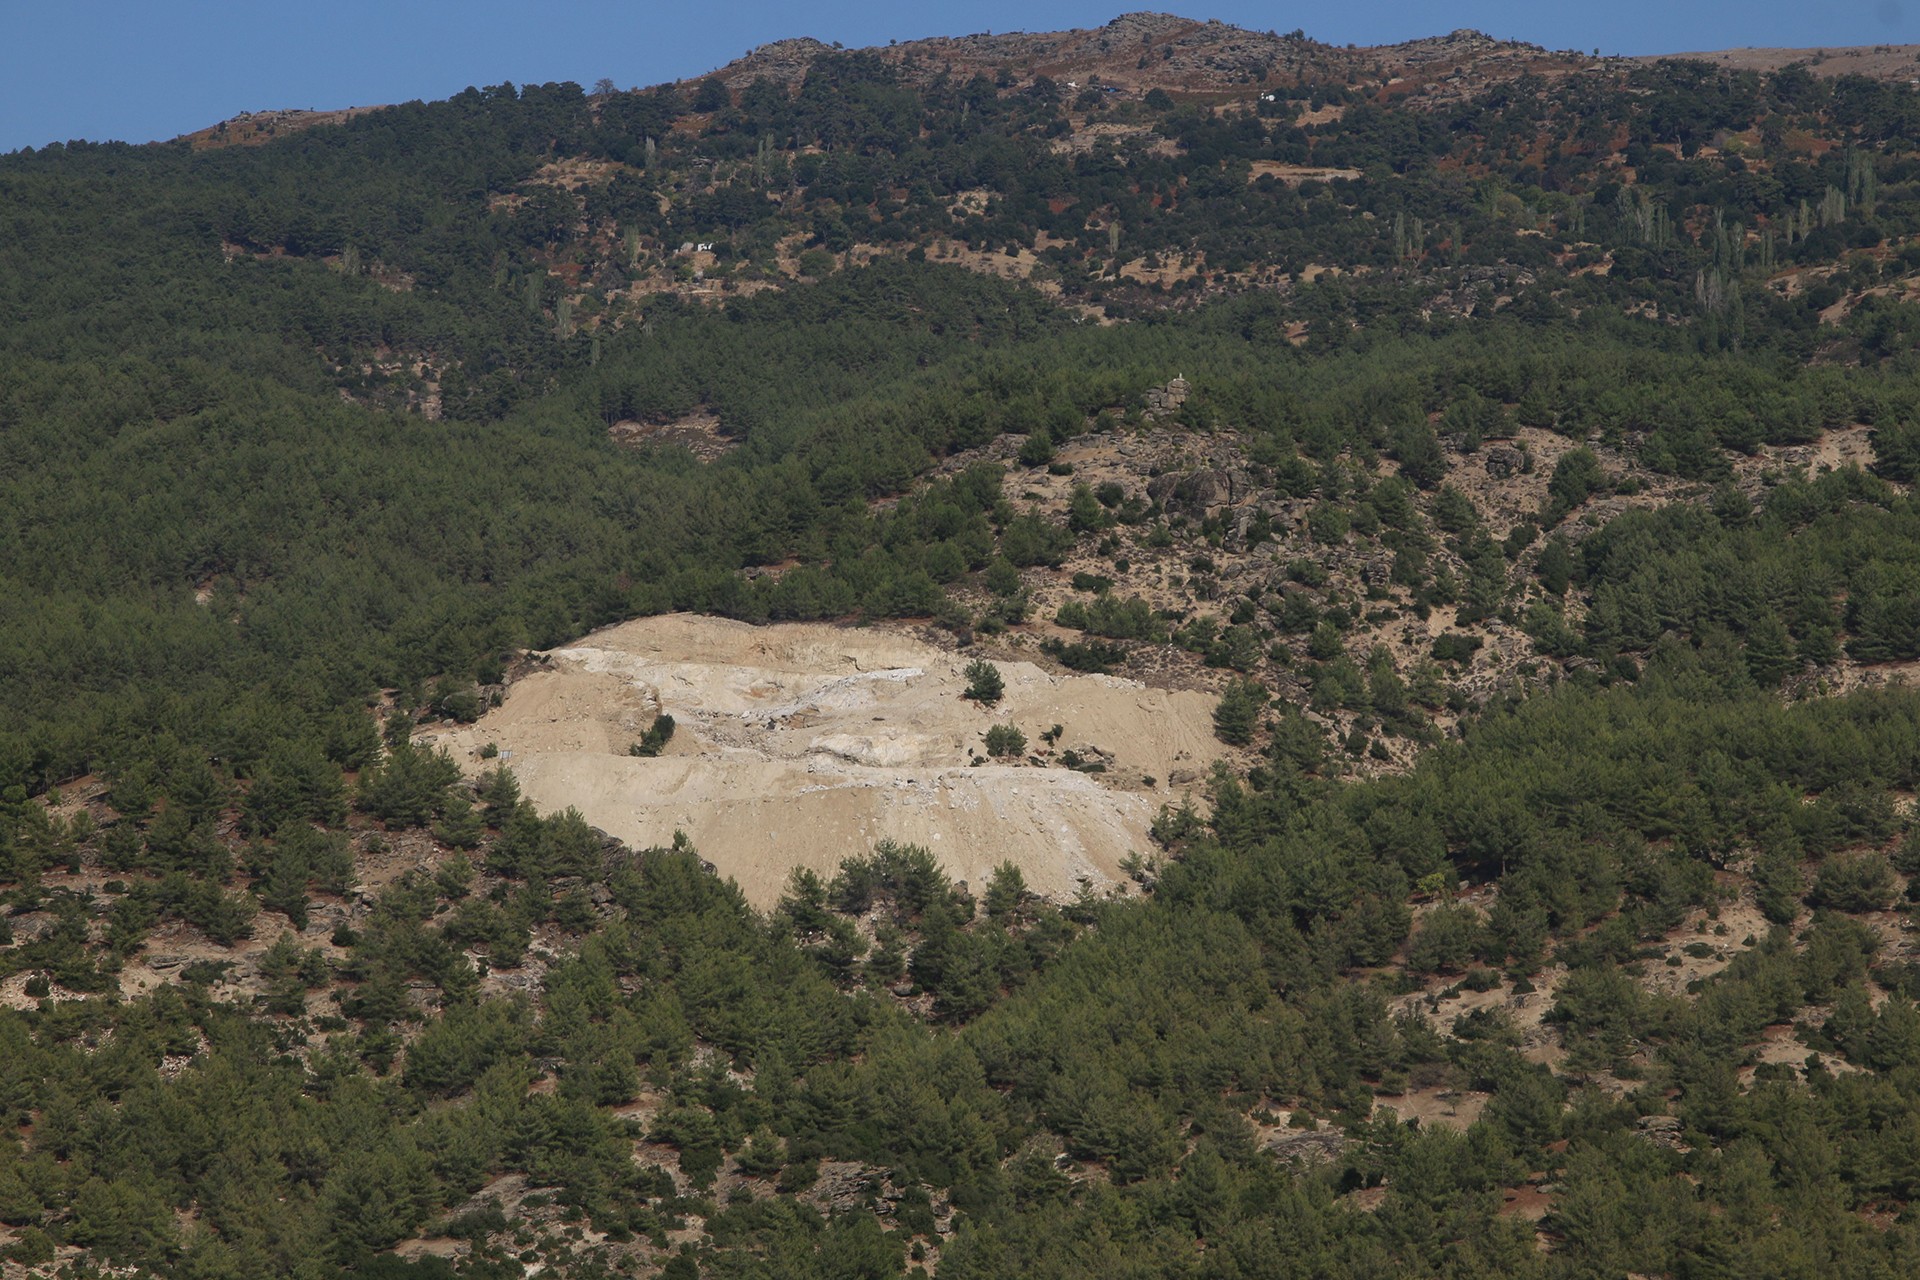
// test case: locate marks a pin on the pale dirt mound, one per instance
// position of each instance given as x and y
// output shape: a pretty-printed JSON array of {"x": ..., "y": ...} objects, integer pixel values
[{"x": 801, "y": 745}]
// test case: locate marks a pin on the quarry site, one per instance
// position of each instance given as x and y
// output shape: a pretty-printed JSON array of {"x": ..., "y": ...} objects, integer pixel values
[{"x": 798, "y": 745}]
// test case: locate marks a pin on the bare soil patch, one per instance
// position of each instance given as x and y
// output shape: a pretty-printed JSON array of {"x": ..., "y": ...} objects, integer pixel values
[
  {"x": 1087, "y": 138},
  {"x": 801, "y": 745},
  {"x": 1454, "y": 1109},
  {"x": 697, "y": 433},
  {"x": 1295, "y": 174}
]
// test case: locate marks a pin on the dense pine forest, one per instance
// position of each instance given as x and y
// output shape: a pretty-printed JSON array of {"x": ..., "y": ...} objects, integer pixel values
[{"x": 1571, "y": 937}]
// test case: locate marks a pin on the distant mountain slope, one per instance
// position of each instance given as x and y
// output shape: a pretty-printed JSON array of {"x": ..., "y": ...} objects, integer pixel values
[
  {"x": 1188, "y": 57},
  {"x": 1898, "y": 62},
  {"x": 1141, "y": 51},
  {"x": 1137, "y": 52}
]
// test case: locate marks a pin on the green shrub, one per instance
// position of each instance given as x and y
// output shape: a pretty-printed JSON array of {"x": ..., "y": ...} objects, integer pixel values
[
  {"x": 1003, "y": 740},
  {"x": 1860, "y": 882},
  {"x": 1105, "y": 615},
  {"x": 1896, "y": 451},
  {"x": 1456, "y": 647},
  {"x": 1037, "y": 450},
  {"x": 1092, "y": 656},
  {"x": 33, "y": 1247},
  {"x": 984, "y": 682},
  {"x": 658, "y": 735}
]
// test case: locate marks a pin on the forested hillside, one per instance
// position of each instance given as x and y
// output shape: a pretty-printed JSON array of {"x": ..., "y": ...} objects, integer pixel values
[{"x": 1519, "y": 445}]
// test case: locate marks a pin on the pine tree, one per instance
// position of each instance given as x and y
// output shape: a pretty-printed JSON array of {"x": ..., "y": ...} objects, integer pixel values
[
  {"x": 1238, "y": 713},
  {"x": 460, "y": 825},
  {"x": 984, "y": 682},
  {"x": 1769, "y": 651}
]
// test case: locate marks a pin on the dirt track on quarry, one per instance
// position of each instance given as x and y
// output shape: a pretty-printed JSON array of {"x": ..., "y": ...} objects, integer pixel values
[{"x": 800, "y": 745}]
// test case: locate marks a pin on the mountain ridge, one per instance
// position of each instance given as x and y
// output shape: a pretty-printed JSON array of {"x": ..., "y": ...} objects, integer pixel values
[
  {"x": 1189, "y": 56},
  {"x": 1143, "y": 51}
]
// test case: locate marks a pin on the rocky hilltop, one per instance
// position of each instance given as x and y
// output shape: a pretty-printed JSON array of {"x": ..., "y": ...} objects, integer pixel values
[{"x": 1143, "y": 51}]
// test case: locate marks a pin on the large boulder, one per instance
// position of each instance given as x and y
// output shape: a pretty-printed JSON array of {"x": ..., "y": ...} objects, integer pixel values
[{"x": 1504, "y": 461}]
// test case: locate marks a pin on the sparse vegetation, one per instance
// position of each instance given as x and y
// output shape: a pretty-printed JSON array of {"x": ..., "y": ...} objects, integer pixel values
[{"x": 656, "y": 738}]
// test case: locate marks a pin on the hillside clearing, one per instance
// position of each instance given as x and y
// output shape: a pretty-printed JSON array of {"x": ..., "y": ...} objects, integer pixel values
[{"x": 799, "y": 745}]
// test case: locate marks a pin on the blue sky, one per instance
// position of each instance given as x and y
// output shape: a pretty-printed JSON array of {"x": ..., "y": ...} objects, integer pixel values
[{"x": 144, "y": 69}]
